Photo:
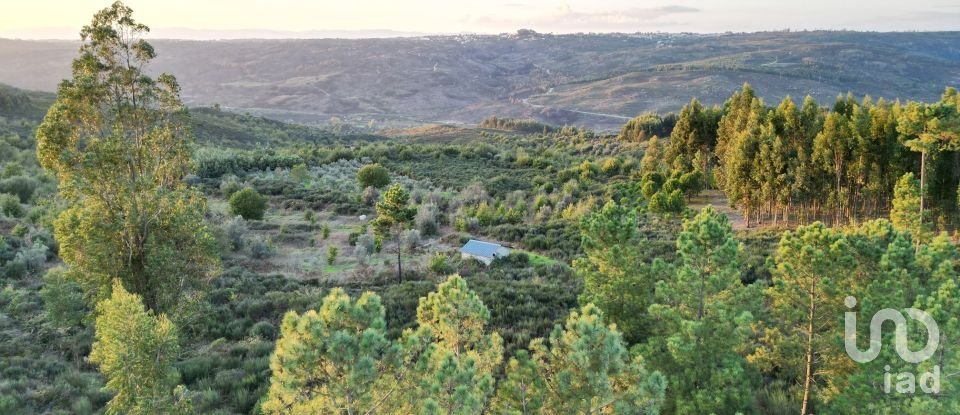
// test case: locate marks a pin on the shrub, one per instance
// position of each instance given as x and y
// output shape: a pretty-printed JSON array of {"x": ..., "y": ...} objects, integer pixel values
[
  {"x": 370, "y": 196},
  {"x": 663, "y": 202},
  {"x": 235, "y": 229},
  {"x": 263, "y": 330},
  {"x": 22, "y": 187},
  {"x": 20, "y": 230},
  {"x": 439, "y": 264},
  {"x": 691, "y": 183},
  {"x": 15, "y": 269},
  {"x": 373, "y": 175},
  {"x": 192, "y": 180},
  {"x": 410, "y": 238},
  {"x": 427, "y": 219},
  {"x": 261, "y": 248},
  {"x": 63, "y": 299},
  {"x": 367, "y": 241},
  {"x": 10, "y": 205},
  {"x": 300, "y": 173},
  {"x": 34, "y": 257},
  {"x": 248, "y": 203},
  {"x": 325, "y": 231},
  {"x": 229, "y": 186},
  {"x": 331, "y": 255},
  {"x": 362, "y": 254}
]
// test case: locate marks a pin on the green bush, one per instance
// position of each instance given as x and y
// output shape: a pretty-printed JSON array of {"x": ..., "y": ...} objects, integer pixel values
[
  {"x": 263, "y": 330},
  {"x": 331, "y": 255},
  {"x": 373, "y": 175},
  {"x": 10, "y": 205},
  {"x": 248, "y": 203},
  {"x": 21, "y": 186},
  {"x": 229, "y": 186},
  {"x": 440, "y": 265}
]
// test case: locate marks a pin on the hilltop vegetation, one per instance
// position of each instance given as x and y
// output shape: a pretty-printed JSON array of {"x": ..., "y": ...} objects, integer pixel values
[{"x": 156, "y": 259}]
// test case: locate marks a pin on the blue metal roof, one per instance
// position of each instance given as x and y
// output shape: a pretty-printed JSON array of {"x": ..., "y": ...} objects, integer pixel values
[{"x": 480, "y": 248}]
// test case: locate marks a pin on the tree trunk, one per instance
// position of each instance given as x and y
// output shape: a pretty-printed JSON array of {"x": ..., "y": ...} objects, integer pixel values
[
  {"x": 923, "y": 171},
  {"x": 809, "y": 377},
  {"x": 399, "y": 265}
]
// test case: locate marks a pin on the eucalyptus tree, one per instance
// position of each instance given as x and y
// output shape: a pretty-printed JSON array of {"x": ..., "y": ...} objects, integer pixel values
[{"x": 119, "y": 143}]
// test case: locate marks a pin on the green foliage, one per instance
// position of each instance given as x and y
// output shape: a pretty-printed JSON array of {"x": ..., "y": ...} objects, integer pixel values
[
  {"x": 647, "y": 126},
  {"x": 63, "y": 299},
  {"x": 616, "y": 277},
  {"x": 120, "y": 160},
  {"x": 373, "y": 175},
  {"x": 667, "y": 202},
  {"x": 905, "y": 213},
  {"x": 333, "y": 360},
  {"x": 135, "y": 351},
  {"x": 300, "y": 173},
  {"x": 459, "y": 371},
  {"x": 331, "y": 254},
  {"x": 10, "y": 206},
  {"x": 814, "y": 273},
  {"x": 248, "y": 204},
  {"x": 705, "y": 317},
  {"x": 439, "y": 264},
  {"x": 513, "y": 124},
  {"x": 586, "y": 369},
  {"x": 21, "y": 186},
  {"x": 393, "y": 217}
]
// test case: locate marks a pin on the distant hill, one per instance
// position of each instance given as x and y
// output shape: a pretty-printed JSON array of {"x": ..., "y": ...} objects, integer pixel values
[
  {"x": 21, "y": 110},
  {"x": 594, "y": 80}
]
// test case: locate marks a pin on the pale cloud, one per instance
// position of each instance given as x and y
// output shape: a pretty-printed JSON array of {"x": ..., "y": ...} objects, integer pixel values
[
  {"x": 356, "y": 18},
  {"x": 566, "y": 19}
]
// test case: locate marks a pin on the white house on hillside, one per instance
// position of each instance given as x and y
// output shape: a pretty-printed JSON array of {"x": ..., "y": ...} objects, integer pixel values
[{"x": 484, "y": 252}]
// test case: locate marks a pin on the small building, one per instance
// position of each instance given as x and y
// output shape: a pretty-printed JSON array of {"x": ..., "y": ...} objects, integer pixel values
[{"x": 484, "y": 252}]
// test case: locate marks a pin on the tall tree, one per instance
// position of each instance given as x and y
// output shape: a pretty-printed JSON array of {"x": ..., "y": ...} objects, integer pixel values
[
  {"x": 135, "y": 350},
  {"x": 695, "y": 131},
  {"x": 459, "y": 368},
  {"x": 118, "y": 141},
  {"x": 586, "y": 369},
  {"x": 906, "y": 212},
  {"x": 393, "y": 216},
  {"x": 337, "y": 360},
  {"x": 832, "y": 150},
  {"x": 810, "y": 281},
  {"x": 929, "y": 130},
  {"x": 617, "y": 278},
  {"x": 652, "y": 160},
  {"x": 704, "y": 316}
]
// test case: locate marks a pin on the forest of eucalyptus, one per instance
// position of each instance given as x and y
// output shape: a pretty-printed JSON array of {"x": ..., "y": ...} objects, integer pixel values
[{"x": 673, "y": 311}]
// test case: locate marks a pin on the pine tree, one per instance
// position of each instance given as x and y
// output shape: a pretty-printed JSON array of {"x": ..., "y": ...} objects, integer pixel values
[
  {"x": 704, "y": 316},
  {"x": 615, "y": 275},
  {"x": 586, "y": 369},
  {"x": 810, "y": 281},
  {"x": 136, "y": 351},
  {"x": 456, "y": 372},
  {"x": 394, "y": 216},
  {"x": 334, "y": 360},
  {"x": 522, "y": 391}
]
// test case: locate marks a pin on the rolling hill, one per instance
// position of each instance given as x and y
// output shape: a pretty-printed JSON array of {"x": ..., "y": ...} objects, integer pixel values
[{"x": 597, "y": 80}]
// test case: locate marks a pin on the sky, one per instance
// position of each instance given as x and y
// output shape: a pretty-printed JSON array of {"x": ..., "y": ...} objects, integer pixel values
[{"x": 220, "y": 19}]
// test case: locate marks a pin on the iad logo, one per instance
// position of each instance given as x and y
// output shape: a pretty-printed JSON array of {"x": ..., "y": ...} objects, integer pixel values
[{"x": 906, "y": 381}]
